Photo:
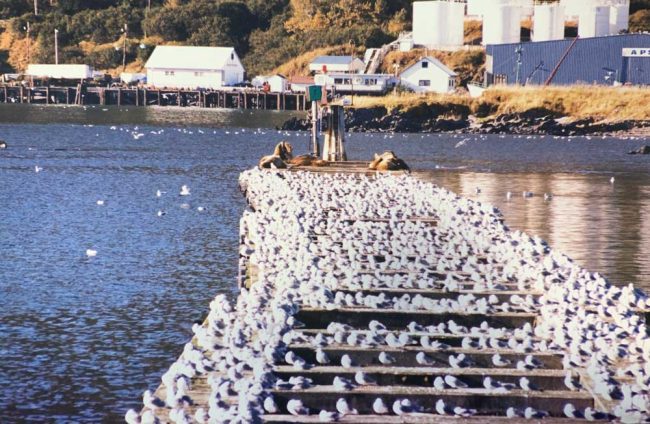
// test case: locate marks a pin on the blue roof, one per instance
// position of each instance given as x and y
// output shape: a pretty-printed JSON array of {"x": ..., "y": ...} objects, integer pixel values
[
  {"x": 332, "y": 60},
  {"x": 591, "y": 60}
]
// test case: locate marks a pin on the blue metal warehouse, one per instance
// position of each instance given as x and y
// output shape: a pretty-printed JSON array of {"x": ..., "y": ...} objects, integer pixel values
[{"x": 599, "y": 60}]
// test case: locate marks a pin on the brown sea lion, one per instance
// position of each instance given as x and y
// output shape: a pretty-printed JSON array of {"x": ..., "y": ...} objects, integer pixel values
[
  {"x": 388, "y": 161},
  {"x": 284, "y": 150}
]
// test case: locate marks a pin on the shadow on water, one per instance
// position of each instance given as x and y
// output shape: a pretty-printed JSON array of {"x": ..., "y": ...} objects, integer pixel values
[{"x": 81, "y": 338}]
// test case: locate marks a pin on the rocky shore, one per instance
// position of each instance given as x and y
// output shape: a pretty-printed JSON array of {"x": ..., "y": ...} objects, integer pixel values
[{"x": 430, "y": 119}]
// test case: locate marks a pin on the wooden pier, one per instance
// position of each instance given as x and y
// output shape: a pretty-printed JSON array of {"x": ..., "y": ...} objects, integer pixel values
[
  {"x": 82, "y": 95},
  {"x": 335, "y": 318}
]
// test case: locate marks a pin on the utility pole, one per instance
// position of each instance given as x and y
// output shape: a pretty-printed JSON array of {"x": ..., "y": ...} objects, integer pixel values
[
  {"x": 29, "y": 44},
  {"x": 519, "y": 51},
  {"x": 36, "y": 7},
  {"x": 56, "y": 46},
  {"x": 126, "y": 30}
]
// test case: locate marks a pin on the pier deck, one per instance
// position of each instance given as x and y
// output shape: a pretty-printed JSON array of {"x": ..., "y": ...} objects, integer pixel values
[
  {"x": 101, "y": 96},
  {"x": 335, "y": 318}
]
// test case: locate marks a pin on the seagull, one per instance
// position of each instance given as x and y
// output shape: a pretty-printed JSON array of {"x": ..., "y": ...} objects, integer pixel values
[
  {"x": 508, "y": 195},
  {"x": 100, "y": 203},
  {"x": 364, "y": 379},
  {"x": 344, "y": 408},
  {"x": 530, "y": 413},
  {"x": 379, "y": 407},
  {"x": 526, "y": 385},
  {"x": 342, "y": 384},
  {"x": 611, "y": 180},
  {"x": 37, "y": 169},
  {"x": 270, "y": 406},
  {"x": 455, "y": 383},
  {"x": 132, "y": 417},
  {"x": 161, "y": 213},
  {"x": 386, "y": 358},
  {"x": 548, "y": 196},
  {"x": 346, "y": 361},
  {"x": 185, "y": 191},
  {"x": 424, "y": 359},
  {"x": 160, "y": 193},
  {"x": 295, "y": 407},
  {"x": 328, "y": 417},
  {"x": 321, "y": 357},
  {"x": 571, "y": 412},
  {"x": 498, "y": 361},
  {"x": 570, "y": 383},
  {"x": 200, "y": 208},
  {"x": 91, "y": 253},
  {"x": 152, "y": 402}
]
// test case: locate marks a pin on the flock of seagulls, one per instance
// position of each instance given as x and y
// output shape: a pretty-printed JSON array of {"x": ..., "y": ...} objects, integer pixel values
[{"x": 339, "y": 242}]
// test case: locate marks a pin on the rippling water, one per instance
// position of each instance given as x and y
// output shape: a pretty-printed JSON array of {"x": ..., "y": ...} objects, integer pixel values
[{"x": 81, "y": 338}]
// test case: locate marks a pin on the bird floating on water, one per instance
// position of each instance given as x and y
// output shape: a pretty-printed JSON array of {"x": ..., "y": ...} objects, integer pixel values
[
  {"x": 185, "y": 190},
  {"x": 91, "y": 253}
]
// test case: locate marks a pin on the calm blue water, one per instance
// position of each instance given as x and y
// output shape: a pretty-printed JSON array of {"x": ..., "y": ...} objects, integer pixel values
[{"x": 81, "y": 338}]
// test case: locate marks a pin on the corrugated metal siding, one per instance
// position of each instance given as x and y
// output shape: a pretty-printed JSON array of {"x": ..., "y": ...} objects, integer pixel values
[{"x": 585, "y": 63}]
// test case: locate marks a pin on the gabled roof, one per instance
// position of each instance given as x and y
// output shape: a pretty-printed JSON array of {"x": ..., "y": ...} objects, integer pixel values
[
  {"x": 301, "y": 80},
  {"x": 190, "y": 57},
  {"x": 333, "y": 60},
  {"x": 435, "y": 62}
]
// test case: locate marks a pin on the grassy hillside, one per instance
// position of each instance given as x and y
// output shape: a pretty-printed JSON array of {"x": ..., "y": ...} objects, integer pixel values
[
  {"x": 604, "y": 103},
  {"x": 268, "y": 34}
]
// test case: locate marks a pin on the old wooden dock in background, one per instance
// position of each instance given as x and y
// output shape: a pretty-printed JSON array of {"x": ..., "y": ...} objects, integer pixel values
[
  {"x": 343, "y": 329},
  {"x": 82, "y": 95}
]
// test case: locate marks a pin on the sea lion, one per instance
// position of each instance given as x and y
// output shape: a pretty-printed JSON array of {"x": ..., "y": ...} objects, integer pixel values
[{"x": 388, "y": 161}]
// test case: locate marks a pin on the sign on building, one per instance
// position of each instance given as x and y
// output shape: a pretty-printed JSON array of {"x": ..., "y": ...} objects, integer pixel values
[{"x": 636, "y": 52}]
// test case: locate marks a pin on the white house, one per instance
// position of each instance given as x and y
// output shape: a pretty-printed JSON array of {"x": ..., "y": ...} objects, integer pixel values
[
  {"x": 194, "y": 67},
  {"x": 428, "y": 75},
  {"x": 345, "y": 64},
  {"x": 278, "y": 83}
]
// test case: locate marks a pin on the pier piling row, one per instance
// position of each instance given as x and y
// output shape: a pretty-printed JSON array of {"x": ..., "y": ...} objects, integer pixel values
[
  {"x": 100, "y": 96},
  {"x": 378, "y": 299}
]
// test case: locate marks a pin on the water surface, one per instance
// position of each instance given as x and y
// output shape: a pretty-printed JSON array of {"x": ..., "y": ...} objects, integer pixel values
[{"x": 81, "y": 338}]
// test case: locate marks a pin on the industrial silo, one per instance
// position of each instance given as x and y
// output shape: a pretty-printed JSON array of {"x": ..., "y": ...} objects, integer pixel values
[
  {"x": 527, "y": 7},
  {"x": 438, "y": 24},
  {"x": 619, "y": 17},
  {"x": 548, "y": 23},
  {"x": 502, "y": 24},
  {"x": 594, "y": 21},
  {"x": 456, "y": 34},
  {"x": 572, "y": 8}
]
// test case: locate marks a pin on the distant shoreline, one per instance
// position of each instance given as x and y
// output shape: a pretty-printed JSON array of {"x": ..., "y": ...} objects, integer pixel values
[
  {"x": 562, "y": 111},
  {"x": 532, "y": 123}
]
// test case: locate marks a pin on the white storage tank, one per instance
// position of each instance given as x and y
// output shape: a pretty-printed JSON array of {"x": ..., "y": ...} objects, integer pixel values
[
  {"x": 456, "y": 22},
  {"x": 502, "y": 24},
  {"x": 527, "y": 8},
  {"x": 594, "y": 22},
  {"x": 438, "y": 24},
  {"x": 548, "y": 22},
  {"x": 619, "y": 18}
]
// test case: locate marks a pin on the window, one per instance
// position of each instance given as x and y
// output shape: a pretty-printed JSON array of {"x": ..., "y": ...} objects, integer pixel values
[
  {"x": 347, "y": 81},
  {"x": 370, "y": 81},
  {"x": 338, "y": 80},
  {"x": 425, "y": 64},
  {"x": 452, "y": 83},
  {"x": 232, "y": 56},
  {"x": 198, "y": 74},
  {"x": 424, "y": 83},
  {"x": 169, "y": 73}
]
